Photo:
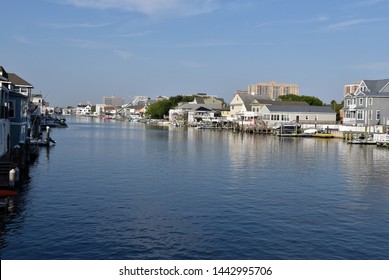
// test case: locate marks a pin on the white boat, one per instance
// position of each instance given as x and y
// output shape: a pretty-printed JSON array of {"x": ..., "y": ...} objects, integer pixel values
[
  {"x": 310, "y": 131},
  {"x": 42, "y": 142}
]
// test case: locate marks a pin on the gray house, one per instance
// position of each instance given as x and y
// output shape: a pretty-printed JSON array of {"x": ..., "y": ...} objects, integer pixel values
[
  {"x": 369, "y": 105},
  {"x": 303, "y": 114}
]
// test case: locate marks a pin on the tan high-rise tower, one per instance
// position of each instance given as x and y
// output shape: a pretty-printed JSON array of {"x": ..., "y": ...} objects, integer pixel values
[{"x": 273, "y": 89}]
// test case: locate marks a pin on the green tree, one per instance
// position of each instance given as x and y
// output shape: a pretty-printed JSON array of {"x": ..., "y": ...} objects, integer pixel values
[
  {"x": 337, "y": 107},
  {"x": 159, "y": 109},
  {"x": 180, "y": 98},
  {"x": 311, "y": 100},
  {"x": 162, "y": 107}
]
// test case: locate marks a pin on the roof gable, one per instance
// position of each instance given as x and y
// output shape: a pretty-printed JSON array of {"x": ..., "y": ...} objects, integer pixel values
[
  {"x": 385, "y": 88},
  {"x": 376, "y": 85},
  {"x": 201, "y": 108},
  {"x": 3, "y": 73},
  {"x": 359, "y": 93},
  {"x": 18, "y": 81}
]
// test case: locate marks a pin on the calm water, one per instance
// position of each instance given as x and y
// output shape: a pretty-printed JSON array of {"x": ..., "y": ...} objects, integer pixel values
[{"x": 113, "y": 190}]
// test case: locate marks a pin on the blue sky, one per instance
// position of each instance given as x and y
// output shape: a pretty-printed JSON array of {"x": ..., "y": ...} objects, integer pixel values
[{"x": 74, "y": 51}]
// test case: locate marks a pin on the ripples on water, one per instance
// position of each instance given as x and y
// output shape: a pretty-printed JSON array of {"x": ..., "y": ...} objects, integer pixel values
[{"x": 127, "y": 191}]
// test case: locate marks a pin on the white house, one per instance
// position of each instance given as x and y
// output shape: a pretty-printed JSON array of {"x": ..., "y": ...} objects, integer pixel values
[
  {"x": 196, "y": 113},
  {"x": 83, "y": 110}
]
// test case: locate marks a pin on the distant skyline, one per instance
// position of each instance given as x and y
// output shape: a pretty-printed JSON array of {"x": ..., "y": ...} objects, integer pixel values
[{"x": 75, "y": 51}]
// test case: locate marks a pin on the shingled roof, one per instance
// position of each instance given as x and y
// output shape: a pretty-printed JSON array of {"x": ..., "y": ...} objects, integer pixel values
[
  {"x": 18, "y": 81},
  {"x": 298, "y": 108},
  {"x": 375, "y": 86}
]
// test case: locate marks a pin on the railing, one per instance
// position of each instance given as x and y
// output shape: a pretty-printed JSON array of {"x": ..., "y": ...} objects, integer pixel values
[{"x": 381, "y": 138}]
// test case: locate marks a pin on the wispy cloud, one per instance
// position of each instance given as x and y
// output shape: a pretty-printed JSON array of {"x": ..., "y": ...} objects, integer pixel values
[
  {"x": 205, "y": 44},
  {"x": 23, "y": 40},
  {"x": 151, "y": 7},
  {"x": 133, "y": 35},
  {"x": 125, "y": 55},
  {"x": 352, "y": 22},
  {"x": 87, "y": 44},
  {"x": 78, "y": 25},
  {"x": 368, "y": 3},
  {"x": 218, "y": 44},
  {"x": 321, "y": 18}
]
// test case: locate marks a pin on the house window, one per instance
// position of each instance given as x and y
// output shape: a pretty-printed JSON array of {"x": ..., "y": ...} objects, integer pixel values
[
  {"x": 348, "y": 102},
  {"x": 11, "y": 109},
  {"x": 360, "y": 101},
  {"x": 360, "y": 115},
  {"x": 306, "y": 117},
  {"x": 378, "y": 115}
]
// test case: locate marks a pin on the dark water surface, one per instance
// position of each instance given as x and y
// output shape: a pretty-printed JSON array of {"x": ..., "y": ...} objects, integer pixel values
[{"x": 115, "y": 190}]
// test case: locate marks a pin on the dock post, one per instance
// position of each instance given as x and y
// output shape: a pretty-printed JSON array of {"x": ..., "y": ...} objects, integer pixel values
[
  {"x": 47, "y": 135},
  {"x": 12, "y": 178}
]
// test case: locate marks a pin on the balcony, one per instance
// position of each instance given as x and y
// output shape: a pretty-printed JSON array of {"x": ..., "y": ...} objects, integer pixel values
[{"x": 349, "y": 121}]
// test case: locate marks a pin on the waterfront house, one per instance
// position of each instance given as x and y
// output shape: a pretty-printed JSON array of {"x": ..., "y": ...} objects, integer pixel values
[
  {"x": 133, "y": 112},
  {"x": 202, "y": 108},
  {"x": 241, "y": 104},
  {"x": 195, "y": 113},
  {"x": 83, "y": 110},
  {"x": 5, "y": 137},
  {"x": 226, "y": 114},
  {"x": 203, "y": 98},
  {"x": 248, "y": 107},
  {"x": 368, "y": 105},
  {"x": 274, "y": 115},
  {"x": 19, "y": 98},
  {"x": 38, "y": 100}
]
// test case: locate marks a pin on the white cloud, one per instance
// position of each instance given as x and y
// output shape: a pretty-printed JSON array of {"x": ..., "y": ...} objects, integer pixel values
[
  {"x": 125, "y": 55},
  {"x": 78, "y": 25},
  {"x": 321, "y": 18},
  {"x": 368, "y": 3},
  {"x": 205, "y": 44},
  {"x": 87, "y": 44},
  {"x": 134, "y": 34},
  {"x": 348, "y": 23},
  {"x": 151, "y": 7}
]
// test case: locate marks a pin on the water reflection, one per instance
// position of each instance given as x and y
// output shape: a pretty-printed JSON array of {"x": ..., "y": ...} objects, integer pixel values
[{"x": 115, "y": 190}]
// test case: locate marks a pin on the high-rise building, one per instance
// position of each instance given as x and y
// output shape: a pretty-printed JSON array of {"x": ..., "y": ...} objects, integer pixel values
[
  {"x": 350, "y": 89},
  {"x": 113, "y": 101},
  {"x": 273, "y": 89}
]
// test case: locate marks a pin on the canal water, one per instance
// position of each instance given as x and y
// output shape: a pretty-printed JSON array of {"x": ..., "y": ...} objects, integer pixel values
[{"x": 119, "y": 190}]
